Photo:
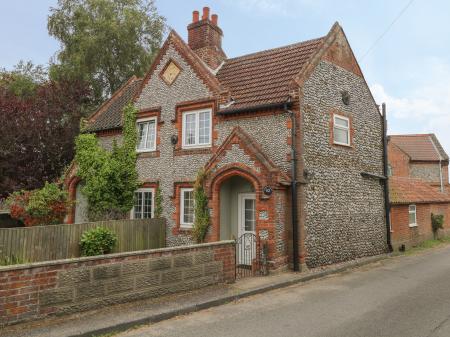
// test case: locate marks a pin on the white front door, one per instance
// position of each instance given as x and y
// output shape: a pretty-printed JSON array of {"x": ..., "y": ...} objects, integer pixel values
[{"x": 246, "y": 225}]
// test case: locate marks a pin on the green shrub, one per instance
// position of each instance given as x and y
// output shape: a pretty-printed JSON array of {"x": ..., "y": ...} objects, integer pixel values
[
  {"x": 437, "y": 222},
  {"x": 45, "y": 206},
  {"x": 97, "y": 241}
]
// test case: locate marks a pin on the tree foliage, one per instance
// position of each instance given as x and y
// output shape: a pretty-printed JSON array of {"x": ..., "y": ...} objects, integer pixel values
[
  {"x": 24, "y": 79},
  {"x": 105, "y": 42},
  {"x": 46, "y": 206},
  {"x": 37, "y": 133},
  {"x": 110, "y": 177}
]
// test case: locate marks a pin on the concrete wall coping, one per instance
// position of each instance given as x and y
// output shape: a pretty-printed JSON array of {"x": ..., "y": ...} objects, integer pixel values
[{"x": 113, "y": 256}]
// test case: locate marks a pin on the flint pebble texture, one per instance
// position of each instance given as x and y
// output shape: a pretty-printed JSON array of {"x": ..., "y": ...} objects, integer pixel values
[
  {"x": 344, "y": 212},
  {"x": 268, "y": 131}
]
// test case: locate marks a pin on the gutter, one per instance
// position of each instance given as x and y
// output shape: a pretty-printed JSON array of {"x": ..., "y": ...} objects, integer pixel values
[
  {"x": 387, "y": 203},
  {"x": 440, "y": 165},
  {"x": 282, "y": 105},
  {"x": 294, "y": 194}
]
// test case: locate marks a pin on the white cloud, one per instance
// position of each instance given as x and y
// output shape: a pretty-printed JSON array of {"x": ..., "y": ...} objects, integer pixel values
[
  {"x": 280, "y": 7},
  {"x": 426, "y": 109}
]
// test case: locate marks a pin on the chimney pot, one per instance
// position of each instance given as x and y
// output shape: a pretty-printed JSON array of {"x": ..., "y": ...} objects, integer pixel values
[
  {"x": 195, "y": 16},
  {"x": 214, "y": 19},
  {"x": 205, "y": 13}
]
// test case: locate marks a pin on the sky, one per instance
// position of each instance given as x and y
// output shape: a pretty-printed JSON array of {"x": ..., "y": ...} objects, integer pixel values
[{"x": 407, "y": 67}]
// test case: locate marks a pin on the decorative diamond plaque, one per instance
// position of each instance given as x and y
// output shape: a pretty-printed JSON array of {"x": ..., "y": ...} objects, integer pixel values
[{"x": 170, "y": 72}]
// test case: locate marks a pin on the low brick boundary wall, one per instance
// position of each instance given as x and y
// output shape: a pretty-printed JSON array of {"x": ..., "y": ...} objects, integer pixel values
[{"x": 33, "y": 291}]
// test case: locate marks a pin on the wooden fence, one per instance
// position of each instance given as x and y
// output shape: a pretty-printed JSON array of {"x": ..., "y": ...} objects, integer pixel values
[{"x": 46, "y": 243}]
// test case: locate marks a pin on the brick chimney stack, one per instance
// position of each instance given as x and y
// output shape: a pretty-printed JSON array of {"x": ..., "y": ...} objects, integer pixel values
[{"x": 205, "y": 38}]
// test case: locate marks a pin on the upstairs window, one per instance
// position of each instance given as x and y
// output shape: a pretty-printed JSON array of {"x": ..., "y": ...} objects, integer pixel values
[
  {"x": 146, "y": 128},
  {"x": 143, "y": 203},
  {"x": 412, "y": 216},
  {"x": 341, "y": 130},
  {"x": 187, "y": 207},
  {"x": 197, "y": 128}
]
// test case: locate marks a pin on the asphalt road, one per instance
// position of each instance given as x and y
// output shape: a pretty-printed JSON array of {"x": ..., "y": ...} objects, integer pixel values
[{"x": 404, "y": 296}]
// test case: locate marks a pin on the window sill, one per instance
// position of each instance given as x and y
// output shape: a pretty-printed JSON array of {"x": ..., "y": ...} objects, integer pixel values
[
  {"x": 343, "y": 145},
  {"x": 413, "y": 225},
  {"x": 149, "y": 154}
]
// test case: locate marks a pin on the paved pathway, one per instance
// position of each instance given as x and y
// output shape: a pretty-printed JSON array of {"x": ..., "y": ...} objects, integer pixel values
[{"x": 404, "y": 296}]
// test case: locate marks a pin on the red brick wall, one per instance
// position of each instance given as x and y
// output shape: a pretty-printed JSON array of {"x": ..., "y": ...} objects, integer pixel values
[
  {"x": 398, "y": 160},
  {"x": 34, "y": 291},
  {"x": 411, "y": 236}
]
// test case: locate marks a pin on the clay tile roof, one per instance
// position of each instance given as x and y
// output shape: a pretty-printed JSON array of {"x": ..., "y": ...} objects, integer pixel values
[
  {"x": 109, "y": 114},
  {"x": 404, "y": 190},
  {"x": 420, "y": 147},
  {"x": 263, "y": 78}
]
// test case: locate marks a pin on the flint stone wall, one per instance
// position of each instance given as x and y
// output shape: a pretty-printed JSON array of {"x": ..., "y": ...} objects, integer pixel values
[{"x": 344, "y": 212}]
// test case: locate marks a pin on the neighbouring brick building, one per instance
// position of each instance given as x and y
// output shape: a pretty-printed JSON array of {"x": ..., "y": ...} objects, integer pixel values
[
  {"x": 418, "y": 187},
  {"x": 242, "y": 120}
]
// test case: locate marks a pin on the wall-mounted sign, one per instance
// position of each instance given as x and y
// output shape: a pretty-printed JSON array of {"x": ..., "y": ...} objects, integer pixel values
[{"x": 267, "y": 190}]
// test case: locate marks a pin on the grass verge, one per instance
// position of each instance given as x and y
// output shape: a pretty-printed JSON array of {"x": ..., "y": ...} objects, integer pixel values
[{"x": 428, "y": 244}]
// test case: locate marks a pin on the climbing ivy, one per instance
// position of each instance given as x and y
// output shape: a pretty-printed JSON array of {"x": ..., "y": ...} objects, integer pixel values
[
  {"x": 202, "y": 217},
  {"x": 158, "y": 203},
  {"x": 110, "y": 177}
]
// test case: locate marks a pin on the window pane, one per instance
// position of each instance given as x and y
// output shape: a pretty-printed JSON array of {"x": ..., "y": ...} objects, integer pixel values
[
  {"x": 137, "y": 205},
  {"x": 189, "y": 132},
  {"x": 147, "y": 209},
  {"x": 204, "y": 127},
  {"x": 341, "y": 122},
  {"x": 188, "y": 207},
  {"x": 412, "y": 218},
  {"x": 151, "y": 136},
  {"x": 249, "y": 215},
  {"x": 341, "y": 136},
  {"x": 142, "y": 135}
]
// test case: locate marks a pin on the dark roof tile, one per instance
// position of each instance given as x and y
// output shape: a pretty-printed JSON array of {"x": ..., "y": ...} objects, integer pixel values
[
  {"x": 109, "y": 115},
  {"x": 263, "y": 77}
]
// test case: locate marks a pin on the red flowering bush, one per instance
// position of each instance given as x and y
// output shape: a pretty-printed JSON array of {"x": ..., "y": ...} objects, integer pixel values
[{"x": 47, "y": 206}]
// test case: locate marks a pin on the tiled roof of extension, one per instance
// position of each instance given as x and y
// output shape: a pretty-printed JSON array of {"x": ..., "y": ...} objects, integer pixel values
[
  {"x": 405, "y": 190},
  {"x": 109, "y": 115},
  {"x": 420, "y": 147},
  {"x": 263, "y": 78}
]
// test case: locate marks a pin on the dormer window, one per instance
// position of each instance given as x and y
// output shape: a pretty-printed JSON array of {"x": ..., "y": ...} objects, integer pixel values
[{"x": 197, "y": 128}]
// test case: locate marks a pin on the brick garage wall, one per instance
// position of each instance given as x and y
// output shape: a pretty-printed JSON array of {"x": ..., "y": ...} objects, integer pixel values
[
  {"x": 402, "y": 234},
  {"x": 34, "y": 291},
  {"x": 344, "y": 212},
  {"x": 398, "y": 160}
]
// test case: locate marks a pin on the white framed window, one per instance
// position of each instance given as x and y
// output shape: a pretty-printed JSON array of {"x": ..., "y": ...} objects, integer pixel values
[
  {"x": 412, "y": 215},
  {"x": 187, "y": 207},
  {"x": 146, "y": 129},
  {"x": 197, "y": 128},
  {"x": 341, "y": 130},
  {"x": 144, "y": 203}
]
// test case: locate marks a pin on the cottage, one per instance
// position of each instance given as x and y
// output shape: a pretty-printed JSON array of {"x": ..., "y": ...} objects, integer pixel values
[
  {"x": 418, "y": 166},
  {"x": 290, "y": 139}
]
